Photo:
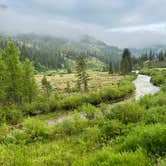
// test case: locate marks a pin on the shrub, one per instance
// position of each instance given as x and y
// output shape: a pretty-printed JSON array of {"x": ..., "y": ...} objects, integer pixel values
[
  {"x": 36, "y": 129},
  {"x": 37, "y": 107},
  {"x": 33, "y": 130},
  {"x": 70, "y": 126},
  {"x": 149, "y": 101},
  {"x": 152, "y": 138},
  {"x": 126, "y": 112},
  {"x": 161, "y": 162},
  {"x": 10, "y": 115},
  {"x": 5, "y": 156},
  {"x": 155, "y": 115},
  {"x": 71, "y": 102},
  {"x": 90, "y": 139},
  {"x": 111, "y": 129},
  {"x": 108, "y": 158},
  {"x": 89, "y": 110}
]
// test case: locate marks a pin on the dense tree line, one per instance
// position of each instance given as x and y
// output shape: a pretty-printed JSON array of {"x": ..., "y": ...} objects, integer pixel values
[
  {"x": 159, "y": 56},
  {"x": 150, "y": 59},
  {"x": 52, "y": 53},
  {"x": 16, "y": 78}
]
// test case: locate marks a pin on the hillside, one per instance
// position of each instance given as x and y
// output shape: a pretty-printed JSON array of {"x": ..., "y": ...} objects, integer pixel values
[{"x": 55, "y": 53}]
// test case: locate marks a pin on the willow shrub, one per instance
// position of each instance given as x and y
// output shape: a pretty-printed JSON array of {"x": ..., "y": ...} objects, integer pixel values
[
  {"x": 152, "y": 138},
  {"x": 155, "y": 115},
  {"x": 111, "y": 94},
  {"x": 106, "y": 157},
  {"x": 127, "y": 112},
  {"x": 149, "y": 101},
  {"x": 10, "y": 115}
]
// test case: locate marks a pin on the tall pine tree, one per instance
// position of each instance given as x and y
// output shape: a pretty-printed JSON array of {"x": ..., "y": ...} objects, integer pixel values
[
  {"x": 126, "y": 63},
  {"x": 14, "y": 85},
  {"x": 2, "y": 77},
  {"x": 29, "y": 84},
  {"x": 82, "y": 75}
]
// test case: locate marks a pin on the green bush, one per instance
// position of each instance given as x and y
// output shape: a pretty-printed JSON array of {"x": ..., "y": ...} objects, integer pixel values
[
  {"x": 35, "y": 129},
  {"x": 10, "y": 115},
  {"x": 88, "y": 110},
  {"x": 108, "y": 158},
  {"x": 37, "y": 107},
  {"x": 152, "y": 138},
  {"x": 32, "y": 130},
  {"x": 90, "y": 139},
  {"x": 70, "y": 126},
  {"x": 149, "y": 101},
  {"x": 155, "y": 115},
  {"x": 161, "y": 162},
  {"x": 111, "y": 129},
  {"x": 5, "y": 156},
  {"x": 126, "y": 112}
]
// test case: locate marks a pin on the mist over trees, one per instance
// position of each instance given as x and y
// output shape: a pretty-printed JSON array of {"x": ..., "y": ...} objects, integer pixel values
[{"x": 47, "y": 52}]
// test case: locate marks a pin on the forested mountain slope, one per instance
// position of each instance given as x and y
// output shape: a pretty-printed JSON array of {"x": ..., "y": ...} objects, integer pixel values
[{"x": 54, "y": 53}]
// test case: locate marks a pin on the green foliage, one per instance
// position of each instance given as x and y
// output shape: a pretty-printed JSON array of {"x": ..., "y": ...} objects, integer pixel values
[
  {"x": 152, "y": 138},
  {"x": 155, "y": 115},
  {"x": 5, "y": 156},
  {"x": 111, "y": 129},
  {"x": 106, "y": 158},
  {"x": 158, "y": 76},
  {"x": 33, "y": 130},
  {"x": 128, "y": 133},
  {"x": 126, "y": 63},
  {"x": 110, "y": 68},
  {"x": 82, "y": 75},
  {"x": 112, "y": 94},
  {"x": 46, "y": 86},
  {"x": 29, "y": 85},
  {"x": 10, "y": 115},
  {"x": 89, "y": 110},
  {"x": 17, "y": 79},
  {"x": 149, "y": 101},
  {"x": 2, "y": 76},
  {"x": 13, "y": 78},
  {"x": 126, "y": 112}
]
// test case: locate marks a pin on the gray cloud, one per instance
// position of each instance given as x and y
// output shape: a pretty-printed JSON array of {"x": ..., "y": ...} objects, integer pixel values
[
  {"x": 126, "y": 23},
  {"x": 3, "y": 7}
]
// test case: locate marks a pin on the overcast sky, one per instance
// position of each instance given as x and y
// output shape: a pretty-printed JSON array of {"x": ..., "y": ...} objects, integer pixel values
[{"x": 123, "y": 23}]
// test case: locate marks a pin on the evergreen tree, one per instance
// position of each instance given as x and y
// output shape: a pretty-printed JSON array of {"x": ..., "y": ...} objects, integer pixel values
[
  {"x": 29, "y": 84},
  {"x": 46, "y": 86},
  {"x": 161, "y": 56},
  {"x": 126, "y": 63},
  {"x": 13, "y": 79},
  {"x": 151, "y": 55},
  {"x": 82, "y": 75},
  {"x": 110, "y": 68},
  {"x": 2, "y": 77}
]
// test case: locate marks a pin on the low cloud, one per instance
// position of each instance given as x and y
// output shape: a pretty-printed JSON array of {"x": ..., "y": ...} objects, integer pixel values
[
  {"x": 3, "y": 7},
  {"x": 125, "y": 23}
]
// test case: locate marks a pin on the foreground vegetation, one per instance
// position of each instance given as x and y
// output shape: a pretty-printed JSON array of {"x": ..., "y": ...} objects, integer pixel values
[
  {"x": 128, "y": 133},
  {"x": 97, "y": 132}
]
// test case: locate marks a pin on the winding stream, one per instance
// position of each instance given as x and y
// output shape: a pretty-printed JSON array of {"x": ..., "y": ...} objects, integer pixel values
[{"x": 144, "y": 86}]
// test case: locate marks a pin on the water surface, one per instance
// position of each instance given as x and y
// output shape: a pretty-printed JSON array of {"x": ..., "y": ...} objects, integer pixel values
[{"x": 144, "y": 86}]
